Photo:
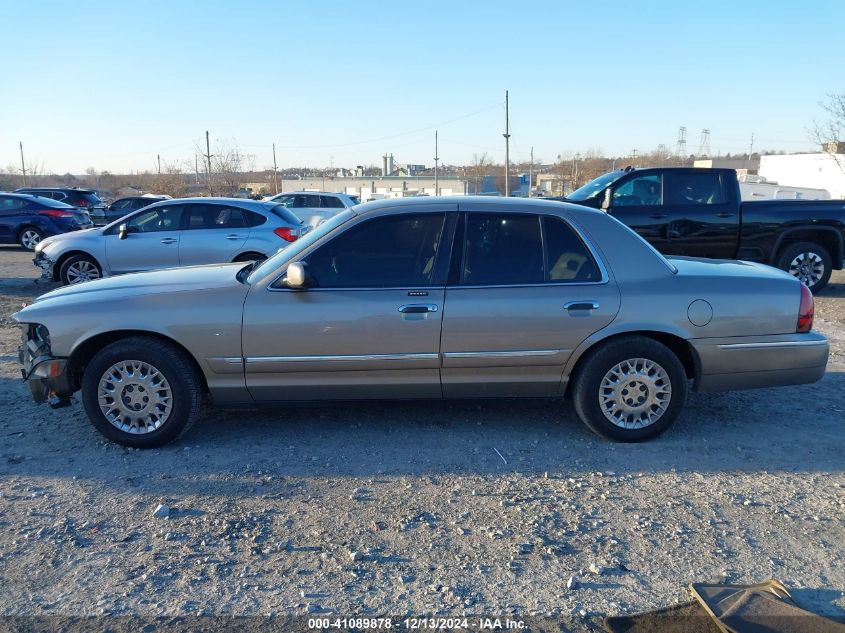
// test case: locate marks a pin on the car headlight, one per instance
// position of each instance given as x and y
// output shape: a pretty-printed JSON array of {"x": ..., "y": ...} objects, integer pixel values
[{"x": 39, "y": 333}]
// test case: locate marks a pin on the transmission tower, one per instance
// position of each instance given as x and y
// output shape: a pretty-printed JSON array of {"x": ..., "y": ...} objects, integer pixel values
[
  {"x": 704, "y": 144},
  {"x": 681, "y": 148}
]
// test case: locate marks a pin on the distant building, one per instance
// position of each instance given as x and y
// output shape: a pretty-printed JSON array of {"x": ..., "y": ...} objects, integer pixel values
[
  {"x": 816, "y": 171},
  {"x": 747, "y": 165},
  {"x": 377, "y": 188}
]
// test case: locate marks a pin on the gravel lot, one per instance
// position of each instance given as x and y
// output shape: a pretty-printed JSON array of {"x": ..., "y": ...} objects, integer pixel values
[{"x": 409, "y": 508}]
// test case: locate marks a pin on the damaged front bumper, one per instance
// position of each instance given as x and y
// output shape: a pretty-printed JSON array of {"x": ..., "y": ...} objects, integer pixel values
[
  {"x": 46, "y": 265},
  {"x": 45, "y": 375}
]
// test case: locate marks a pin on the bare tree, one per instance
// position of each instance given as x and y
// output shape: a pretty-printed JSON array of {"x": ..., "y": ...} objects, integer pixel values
[
  {"x": 830, "y": 134},
  {"x": 228, "y": 168},
  {"x": 480, "y": 166}
]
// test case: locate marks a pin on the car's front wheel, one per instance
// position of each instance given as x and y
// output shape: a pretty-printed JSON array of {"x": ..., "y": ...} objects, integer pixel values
[
  {"x": 29, "y": 238},
  {"x": 141, "y": 392},
  {"x": 630, "y": 389},
  {"x": 79, "y": 268}
]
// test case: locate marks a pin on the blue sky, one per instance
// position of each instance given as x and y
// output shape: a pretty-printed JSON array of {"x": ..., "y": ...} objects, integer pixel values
[{"x": 111, "y": 84}]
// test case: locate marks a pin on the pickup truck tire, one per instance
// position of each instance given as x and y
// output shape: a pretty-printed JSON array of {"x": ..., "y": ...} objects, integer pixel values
[
  {"x": 808, "y": 262},
  {"x": 79, "y": 268},
  {"x": 141, "y": 392},
  {"x": 630, "y": 389}
]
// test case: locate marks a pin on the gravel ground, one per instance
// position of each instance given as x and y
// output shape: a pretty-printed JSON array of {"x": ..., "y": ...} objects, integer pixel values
[{"x": 420, "y": 508}]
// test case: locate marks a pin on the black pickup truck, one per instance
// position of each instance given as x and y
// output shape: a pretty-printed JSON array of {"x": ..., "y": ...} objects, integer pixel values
[{"x": 698, "y": 212}]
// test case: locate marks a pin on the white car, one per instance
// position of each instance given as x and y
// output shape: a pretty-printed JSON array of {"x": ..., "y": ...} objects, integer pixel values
[
  {"x": 313, "y": 207},
  {"x": 168, "y": 234}
]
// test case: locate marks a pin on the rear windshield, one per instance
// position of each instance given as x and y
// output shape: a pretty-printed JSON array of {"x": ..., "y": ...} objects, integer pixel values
[
  {"x": 80, "y": 199},
  {"x": 281, "y": 211}
]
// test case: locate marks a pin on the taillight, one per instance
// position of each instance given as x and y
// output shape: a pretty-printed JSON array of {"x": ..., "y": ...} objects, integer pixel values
[
  {"x": 54, "y": 213},
  {"x": 806, "y": 311},
  {"x": 289, "y": 235},
  {"x": 81, "y": 203}
]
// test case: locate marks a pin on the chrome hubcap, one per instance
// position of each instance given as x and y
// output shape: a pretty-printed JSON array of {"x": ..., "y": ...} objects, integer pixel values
[
  {"x": 82, "y": 271},
  {"x": 808, "y": 268},
  {"x": 29, "y": 239},
  {"x": 635, "y": 393},
  {"x": 135, "y": 397}
]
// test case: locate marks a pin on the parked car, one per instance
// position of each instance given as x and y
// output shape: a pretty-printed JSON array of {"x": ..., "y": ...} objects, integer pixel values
[
  {"x": 699, "y": 212},
  {"x": 426, "y": 298},
  {"x": 122, "y": 207},
  {"x": 80, "y": 198},
  {"x": 313, "y": 207},
  {"x": 170, "y": 233},
  {"x": 26, "y": 220}
]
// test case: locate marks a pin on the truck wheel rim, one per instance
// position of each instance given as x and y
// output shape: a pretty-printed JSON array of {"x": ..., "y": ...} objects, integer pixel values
[
  {"x": 81, "y": 271},
  {"x": 635, "y": 393},
  {"x": 135, "y": 397},
  {"x": 808, "y": 268},
  {"x": 30, "y": 239}
]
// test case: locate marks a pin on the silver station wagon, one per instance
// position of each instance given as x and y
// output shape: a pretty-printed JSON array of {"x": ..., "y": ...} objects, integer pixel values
[{"x": 426, "y": 298}]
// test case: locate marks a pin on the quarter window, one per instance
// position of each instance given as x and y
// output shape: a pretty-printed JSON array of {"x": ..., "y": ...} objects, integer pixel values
[
  {"x": 388, "y": 252},
  {"x": 567, "y": 258}
]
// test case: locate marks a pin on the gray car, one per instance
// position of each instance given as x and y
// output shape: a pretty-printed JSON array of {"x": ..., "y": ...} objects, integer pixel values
[
  {"x": 314, "y": 207},
  {"x": 421, "y": 298},
  {"x": 170, "y": 233}
]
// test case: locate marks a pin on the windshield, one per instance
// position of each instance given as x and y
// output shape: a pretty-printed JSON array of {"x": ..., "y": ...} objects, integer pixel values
[
  {"x": 594, "y": 186},
  {"x": 286, "y": 253}
]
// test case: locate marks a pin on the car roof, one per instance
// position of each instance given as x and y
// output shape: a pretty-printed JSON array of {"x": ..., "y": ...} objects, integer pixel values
[
  {"x": 486, "y": 203},
  {"x": 44, "y": 201},
  {"x": 63, "y": 189},
  {"x": 311, "y": 193},
  {"x": 244, "y": 202}
]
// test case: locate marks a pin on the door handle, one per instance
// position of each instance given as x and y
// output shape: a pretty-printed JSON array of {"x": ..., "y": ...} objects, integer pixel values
[
  {"x": 581, "y": 305},
  {"x": 234, "y": 237},
  {"x": 169, "y": 240},
  {"x": 418, "y": 308},
  {"x": 724, "y": 214}
]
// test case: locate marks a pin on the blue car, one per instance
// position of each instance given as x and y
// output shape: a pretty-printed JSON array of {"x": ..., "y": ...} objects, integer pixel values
[{"x": 26, "y": 220}]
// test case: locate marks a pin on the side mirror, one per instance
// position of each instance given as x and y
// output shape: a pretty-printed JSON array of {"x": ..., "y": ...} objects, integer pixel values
[
  {"x": 297, "y": 277},
  {"x": 122, "y": 231},
  {"x": 608, "y": 198}
]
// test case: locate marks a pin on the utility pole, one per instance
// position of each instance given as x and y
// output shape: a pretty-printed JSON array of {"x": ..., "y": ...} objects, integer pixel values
[
  {"x": 158, "y": 160},
  {"x": 530, "y": 170},
  {"x": 197, "y": 168},
  {"x": 634, "y": 156},
  {"x": 750, "y": 149},
  {"x": 23, "y": 165},
  {"x": 436, "y": 160},
  {"x": 208, "y": 163},
  {"x": 507, "y": 136},
  {"x": 275, "y": 171}
]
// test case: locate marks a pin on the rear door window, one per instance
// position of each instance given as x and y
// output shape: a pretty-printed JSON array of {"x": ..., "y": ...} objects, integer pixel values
[
  {"x": 696, "y": 188},
  {"x": 331, "y": 202},
  {"x": 306, "y": 202},
  {"x": 214, "y": 216},
  {"x": 502, "y": 249}
]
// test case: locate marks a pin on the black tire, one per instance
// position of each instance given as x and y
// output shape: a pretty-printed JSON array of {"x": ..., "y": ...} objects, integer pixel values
[
  {"x": 74, "y": 263},
  {"x": 29, "y": 236},
  {"x": 177, "y": 368},
  {"x": 250, "y": 257},
  {"x": 804, "y": 255},
  {"x": 586, "y": 388}
]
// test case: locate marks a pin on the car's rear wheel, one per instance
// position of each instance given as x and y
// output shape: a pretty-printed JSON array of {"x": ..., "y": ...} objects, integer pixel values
[
  {"x": 809, "y": 263},
  {"x": 29, "y": 238},
  {"x": 630, "y": 389},
  {"x": 79, "y": 268},
  {"x": 141, "y": 392},
  {"x": 250, "y": 257}
]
